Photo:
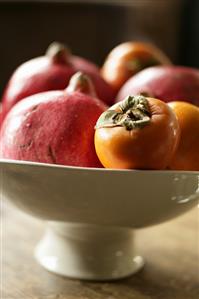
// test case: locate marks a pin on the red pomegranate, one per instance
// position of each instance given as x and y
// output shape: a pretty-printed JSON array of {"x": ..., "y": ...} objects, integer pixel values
[
  {"x": 52, "y": 72},
  {"x": 167, "y": 83},
  {"x": 54, "y": 126},
  {"x": 1, "y": 115}
]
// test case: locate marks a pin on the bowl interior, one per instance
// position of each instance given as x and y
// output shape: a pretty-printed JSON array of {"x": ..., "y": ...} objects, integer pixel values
[{"x": 130, "y": 198}]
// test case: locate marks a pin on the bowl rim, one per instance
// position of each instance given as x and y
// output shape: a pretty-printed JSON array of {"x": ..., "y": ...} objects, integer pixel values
[{"x": 95, "y": 169}]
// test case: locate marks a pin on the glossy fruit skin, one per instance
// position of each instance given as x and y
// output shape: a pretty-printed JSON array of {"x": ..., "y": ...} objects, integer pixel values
[
  {"x": 187, "y": 153},
  {"x": 1, "y": 115},
  {"x": 35, "y": 76},
  {"x": 43, "y": 74},
  {"x": 150, "y": 147},
  {"x": 167, "y": 83},
  {"x": 52, "y": 127},
  {"x": 103, "y": 90},
  {"x": 83, "y": 65},
  {"x": 127, "y": 59}
]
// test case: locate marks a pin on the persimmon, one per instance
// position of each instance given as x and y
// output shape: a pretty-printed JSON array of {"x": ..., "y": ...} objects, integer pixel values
[
  {"x": 127, "y": 59},
  {"x": 187, "y": 154},
  {"x": 137, "y": 133}
]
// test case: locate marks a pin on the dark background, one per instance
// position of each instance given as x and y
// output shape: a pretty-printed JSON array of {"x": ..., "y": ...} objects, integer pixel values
[{"x": 92, "y": 29}]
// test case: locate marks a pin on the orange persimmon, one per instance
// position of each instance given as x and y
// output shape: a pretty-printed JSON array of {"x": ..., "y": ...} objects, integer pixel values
[
  {"x": 137, "y": 133},
  {"x": 187, "y": 153},
  {"x": 127, "y": 59}
]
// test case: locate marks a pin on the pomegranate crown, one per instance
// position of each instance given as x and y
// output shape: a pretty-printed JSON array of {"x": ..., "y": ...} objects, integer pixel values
[
  {"x": 58, "y": 53},
  {"x": 82, "y": 83}
]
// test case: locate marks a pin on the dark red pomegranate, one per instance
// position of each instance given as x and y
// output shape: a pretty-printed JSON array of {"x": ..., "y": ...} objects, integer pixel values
[
  {"x": 54, "y": 126},
  {"x": 167, "y": 83},
  {"x": 52, "y": 72}
]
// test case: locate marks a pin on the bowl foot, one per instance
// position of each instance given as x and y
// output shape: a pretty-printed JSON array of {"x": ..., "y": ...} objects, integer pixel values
[{"x": 88, "y": 252}]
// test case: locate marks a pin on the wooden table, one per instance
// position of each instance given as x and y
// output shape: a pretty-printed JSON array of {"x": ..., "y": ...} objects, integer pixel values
[{"x": 171, "y": 251}]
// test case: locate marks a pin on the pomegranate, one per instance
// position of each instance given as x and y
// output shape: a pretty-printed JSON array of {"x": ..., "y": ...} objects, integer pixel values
[
  {"x": 168, "y": 83},
  {"x": 54, "y": 126},
  {"x": 1, "y": 114},
  {"x": 51, "y": 72}
]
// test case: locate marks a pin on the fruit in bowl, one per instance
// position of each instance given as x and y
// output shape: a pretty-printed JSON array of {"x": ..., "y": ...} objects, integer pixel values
[
  {"x": 186, "y": 156},
  {"x": 54, "y": 127},
  {"x": 137, "y": 133},
  {"x": 167, "y": 83},
  {"x": 51, "y": 72},
  {"x": 128, "y": 58},
  {"x": 85, "y": 231},
  {"x": 1, "y": 115}
]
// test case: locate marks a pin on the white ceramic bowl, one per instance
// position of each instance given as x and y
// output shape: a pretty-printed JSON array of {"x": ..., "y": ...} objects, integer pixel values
[{"x": 91, "y": 213}]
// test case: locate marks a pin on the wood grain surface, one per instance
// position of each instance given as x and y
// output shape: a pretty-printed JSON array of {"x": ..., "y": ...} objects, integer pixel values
[{"x": 171, "y": 251}]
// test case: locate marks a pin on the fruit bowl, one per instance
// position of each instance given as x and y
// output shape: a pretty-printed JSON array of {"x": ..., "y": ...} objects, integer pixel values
[{"x": 91, "y": 213}]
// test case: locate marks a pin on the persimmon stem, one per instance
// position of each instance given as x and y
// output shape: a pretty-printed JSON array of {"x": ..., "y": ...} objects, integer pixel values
[{"x": 131, "y": 113}]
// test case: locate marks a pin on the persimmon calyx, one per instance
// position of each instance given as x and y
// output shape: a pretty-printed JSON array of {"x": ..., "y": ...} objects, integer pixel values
[
  {"x": 132, "y": 113},
  {"x": 58, "y": 53}
]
